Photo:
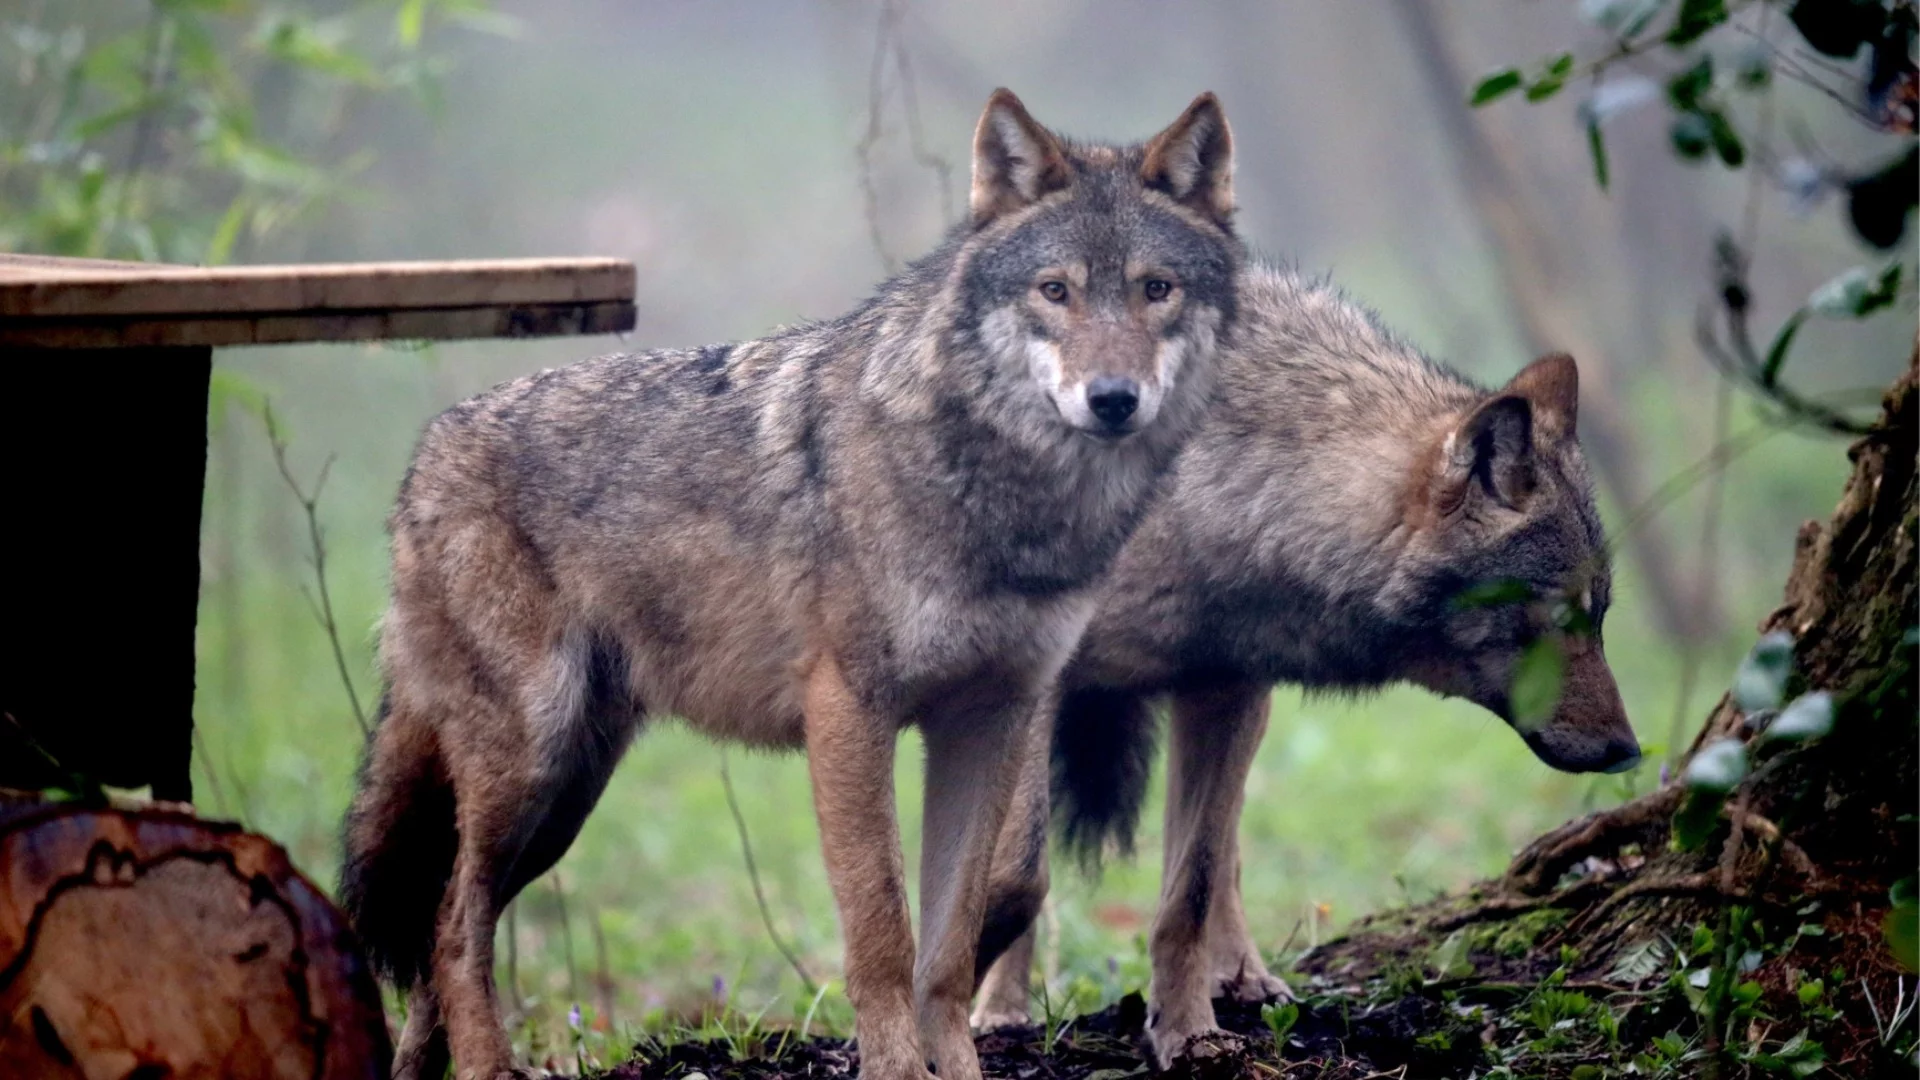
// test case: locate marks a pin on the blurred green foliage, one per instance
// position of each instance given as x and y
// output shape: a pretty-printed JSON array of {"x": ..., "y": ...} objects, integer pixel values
[{"x": 196, "y": 131}]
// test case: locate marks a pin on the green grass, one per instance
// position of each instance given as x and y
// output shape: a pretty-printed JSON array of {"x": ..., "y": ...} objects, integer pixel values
[{"x": 1353, "y": 805}]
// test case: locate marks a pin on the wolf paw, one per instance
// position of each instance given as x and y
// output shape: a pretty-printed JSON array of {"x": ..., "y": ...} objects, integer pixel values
[
  {"x": 1197, "y": 1048},
  {"x": 1251, "y": 984}
]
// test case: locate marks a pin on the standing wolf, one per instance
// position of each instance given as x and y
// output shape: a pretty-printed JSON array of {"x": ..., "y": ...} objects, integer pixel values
[
  {"x": 1326, "y": 528},
  {"x": 805, "y": 541}
]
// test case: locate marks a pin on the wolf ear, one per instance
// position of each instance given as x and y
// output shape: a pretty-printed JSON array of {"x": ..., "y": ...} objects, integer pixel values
[
  {"x": 1015, "y": 160},
  {"x": 1489, "y": 454},
  {"x": 1192, "y": 161},
  {"x": 1552, "y": 385}
]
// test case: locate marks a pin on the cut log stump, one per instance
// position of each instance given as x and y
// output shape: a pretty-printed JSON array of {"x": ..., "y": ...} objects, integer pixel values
[{"x": 147, "y": 943}]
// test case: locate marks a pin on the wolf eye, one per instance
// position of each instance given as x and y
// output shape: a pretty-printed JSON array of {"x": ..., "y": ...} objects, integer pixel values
[
  {"x": 1158, "y": 290},
  {"x": 1055, "y": 291}
]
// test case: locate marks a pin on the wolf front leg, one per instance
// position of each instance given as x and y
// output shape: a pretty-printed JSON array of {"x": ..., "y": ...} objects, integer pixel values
[
  {"x": 1017, "y": 885},
  {"x": 1200, "y": 943},
  {"x": 974, "y": 742},
  {"x": 850, "y": 760}
]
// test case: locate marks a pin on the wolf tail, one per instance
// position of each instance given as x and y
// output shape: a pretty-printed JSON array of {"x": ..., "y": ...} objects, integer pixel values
[
  {"x": 399, "y": 841},
  {"x": 1103, "y": 749}
]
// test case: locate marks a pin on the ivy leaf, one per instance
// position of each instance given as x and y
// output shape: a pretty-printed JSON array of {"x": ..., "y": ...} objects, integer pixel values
[
  {"x": 1692, "y": 136},
  {"x": 1726, "y": 141},
  {"x": 1687, "y": 88},
  {"x": 1718, "y": 768},
  {"x": 1695, "y": 19},
  {"x": 1809, "y": 717},
  {"x": 1597, "y": 147},
  {"x": 1856, "y": 293},
  {"x": 1761, "y": 682},
  {"x": 1537, "y": 677},
  {"x": 1449, "y": 959}
]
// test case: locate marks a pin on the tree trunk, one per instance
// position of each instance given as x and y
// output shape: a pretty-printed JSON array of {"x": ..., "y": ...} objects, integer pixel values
[{"x": 146, "y": 943}]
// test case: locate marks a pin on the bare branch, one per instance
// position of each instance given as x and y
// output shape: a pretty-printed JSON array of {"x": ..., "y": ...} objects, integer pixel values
[
  {"x": 310, "y": 506},
  {"x": 753, "y": 875}
]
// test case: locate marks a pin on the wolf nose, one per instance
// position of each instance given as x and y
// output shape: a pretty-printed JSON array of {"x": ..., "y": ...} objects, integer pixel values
[
  {"x": 1113, "y": 399},
  {"x": 1621, "y": 755}
]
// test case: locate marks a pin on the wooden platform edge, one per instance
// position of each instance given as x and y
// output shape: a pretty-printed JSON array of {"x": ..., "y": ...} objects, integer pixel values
[
  {"x": 418, "y": 324},
  {"x": 33, "y": 287}
]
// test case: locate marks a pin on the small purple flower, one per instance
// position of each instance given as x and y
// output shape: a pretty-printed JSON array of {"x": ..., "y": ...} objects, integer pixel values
[
  {"x": 719, "y": 990},
  {"x": 573, "y": 1017},
  {"x": 1666, "y": 774}
]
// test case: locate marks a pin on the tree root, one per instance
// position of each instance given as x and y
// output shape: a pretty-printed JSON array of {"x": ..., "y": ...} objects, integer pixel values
[{"x": 1541, "y": 865}]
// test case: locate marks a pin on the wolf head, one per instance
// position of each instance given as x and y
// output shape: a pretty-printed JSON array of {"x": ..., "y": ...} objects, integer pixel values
[
  {"x": 1100, "y": 273},
  {"x": 1507, "y": 550}
]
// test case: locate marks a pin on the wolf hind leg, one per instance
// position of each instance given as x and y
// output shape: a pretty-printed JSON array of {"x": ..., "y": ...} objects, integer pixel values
[
  {"x": 1215, "y": 733},
  {"x": 422, "y": 1053},
  {"x": 521, "y": 799},
  {"x": 1016, "y": 887}
]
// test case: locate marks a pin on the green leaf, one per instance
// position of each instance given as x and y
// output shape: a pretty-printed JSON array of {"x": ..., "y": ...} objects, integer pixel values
[
  {"x": 1597, "y": 146},
  {"x": 1902, "y": 930},
  {"x": 220, "y": 247},
  {"x": 1692, "y": 136},
  {"x": 1718, "y": 767},
  {"x": 1494, "y": 593},
  {"x": 1494, "y": 86},
  {"x": 1777, "y": 352},
  {"x": 1686, "y": 89},
  {"x": 318, "y": 48},
  {"x": 409, "y": 21},
  {"x": 1280, "y": 1019},
  {"x": 1537, "y": 677},
  {"x": 1761, "y": 682},
  {"x": 1544, "y": 88},
  {"x": 1905, "y": 891},
  {"x": 1726, "y": 141},
  {"x": 1811, "y": 992},
  {"x": 1809, "y": 717},
  {"x": 1856, "y": 293},
  {"x": 1698, "y": 816},
  {"x": 1449, "y": 959},
  {"x": 1695, "y": 19}
]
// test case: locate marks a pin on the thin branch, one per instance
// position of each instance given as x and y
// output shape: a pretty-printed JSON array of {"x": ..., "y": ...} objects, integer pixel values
[
  {"x": 566, "y": 939},
  {"x": 323, "y": 609},
  {"x": 753, "y": 875},
  {"x": 890, "y": 45}
]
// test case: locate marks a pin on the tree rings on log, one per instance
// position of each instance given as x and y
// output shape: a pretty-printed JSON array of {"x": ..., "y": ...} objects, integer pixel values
[{"x": 147, "y": 943}]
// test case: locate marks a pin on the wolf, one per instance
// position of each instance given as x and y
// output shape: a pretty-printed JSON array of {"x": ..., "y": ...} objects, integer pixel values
[
  {"x": 1351, "y": 515},
  {"x": 805, "y": 541}
]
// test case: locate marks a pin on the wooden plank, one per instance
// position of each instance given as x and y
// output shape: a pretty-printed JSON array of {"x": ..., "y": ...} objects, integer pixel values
[
  {"x": 523, "y": 320},
  {"x": 37, "y": 288}
]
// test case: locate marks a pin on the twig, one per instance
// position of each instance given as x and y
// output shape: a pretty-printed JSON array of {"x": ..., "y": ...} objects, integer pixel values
[
  {"x": 566, "y": 939},
  {"x": 513, "y": 954},
  {"x": 889, "y": 45},
  {"x": 160, "y": 34},
  {"x": 753, "y": 875},
  {"x": 603, "y": 974},
  {"x": 323, "y": 609}
]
